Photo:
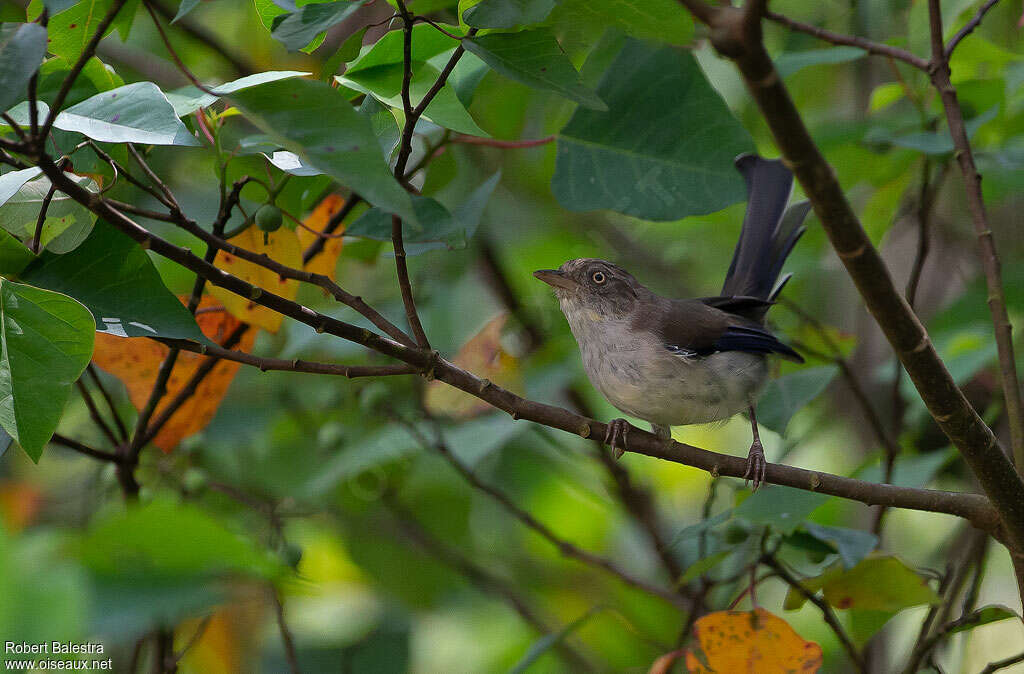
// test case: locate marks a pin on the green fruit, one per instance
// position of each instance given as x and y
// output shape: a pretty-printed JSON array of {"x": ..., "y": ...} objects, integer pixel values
[{"x": 268, "y": 218}]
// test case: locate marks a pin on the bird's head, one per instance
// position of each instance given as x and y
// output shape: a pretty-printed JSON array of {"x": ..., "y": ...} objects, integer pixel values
[{"x": 593, "y": 290}]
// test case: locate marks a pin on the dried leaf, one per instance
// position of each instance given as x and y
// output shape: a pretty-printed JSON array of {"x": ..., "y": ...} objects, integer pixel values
[
  {"x": 326, "y": 262},
  {"x": 750, "y": 641},
  {"x": 484, "y": 356},
  {"x": 136, "y": 361},
  {"x": 282, "y": 246}
]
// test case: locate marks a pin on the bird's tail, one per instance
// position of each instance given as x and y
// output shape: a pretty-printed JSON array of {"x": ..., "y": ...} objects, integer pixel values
[{"x": 770, "y": 230}]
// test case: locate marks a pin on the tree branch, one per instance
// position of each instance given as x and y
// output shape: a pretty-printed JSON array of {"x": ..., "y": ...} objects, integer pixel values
[
  {"x": 969, "y": 28},
  {"x": 940, "y": 393},
  {"x": 849, "y": 40},
  {"x": 82, "y": 448},
  {"x": 986, "y": 243}
]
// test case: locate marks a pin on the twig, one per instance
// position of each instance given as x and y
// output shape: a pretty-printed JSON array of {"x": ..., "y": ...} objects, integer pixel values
[
  {"x": 200, "y": 34},
  {"x": 940, "y": 75},
  {"x": 174, "y": 54},
  {"x": 826, "y": 611},
  {"x": 286, "y": 635},
  {"x": 98, "y": 383},
  {"x": 849, "y": 40},
  {"x": 37, "y": 238},
  {"x": 168, "y": 196},
  {"x": 1003, "y": 664},
  {"x": 94, "y": 413},
  {"x": 82, "y": 448},
  {"x": 193, "y": 640},
  {"x": 317, "y": 246},
  {"x": 565, "y": 547},
  {"x": 968, "y": 28}
]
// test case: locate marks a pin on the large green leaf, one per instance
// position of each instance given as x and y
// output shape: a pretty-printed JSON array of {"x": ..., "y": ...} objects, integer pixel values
[
  {"x": 662, "y": 151},
  {"x": 879, "y": 583},
  {"x": 46, "y": 342},
  {"x": 70, "y": 30},
  {"x": 134, "y": 113},
  {"x": 791, "y": 62},
  {"x": 22, "y": 47},
  {"x": 297, "y": 29},
  {"x": 784, "y": 396},
  {"x": 782, "y": 508},
  {"x": 14, "y": 256},
  {"x": 534, "y": 58},
  {"x": 188, "y": 99},
  {"x": 67, "y": 222},
  {"x": 507, "y": 13},
  {"x": 112, "y": 276},
  {"x": 853, "y": 545},
  {"x": 658, "y": 20},
  {"x": 318, "y": 124}
]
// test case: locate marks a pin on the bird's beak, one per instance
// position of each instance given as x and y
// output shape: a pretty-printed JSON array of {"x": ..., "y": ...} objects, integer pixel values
[{"x": 556, "y": 279}]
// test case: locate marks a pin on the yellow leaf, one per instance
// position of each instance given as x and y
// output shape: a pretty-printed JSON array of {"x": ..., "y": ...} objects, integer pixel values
[
  {"x": 484, "y": 356},
  {"x": 756, "y": 642},
  {"x": 225, "y": 644},
  {"x": 282, "y": 246},
  {"x": 136, "y": 361},
  {"x": 326, "y": 262}
]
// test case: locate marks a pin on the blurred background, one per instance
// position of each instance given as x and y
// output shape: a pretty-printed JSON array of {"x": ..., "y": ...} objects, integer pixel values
[{"x": 401, "y": 564}]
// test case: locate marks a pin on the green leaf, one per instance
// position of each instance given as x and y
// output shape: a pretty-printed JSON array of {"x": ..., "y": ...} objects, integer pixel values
[
  {"x": 134, "y": 113},
  {"x": 782, "y": 508},
  {"x": 929, "y": 142},
  {"x": 115, "y": 279},
  {"x": 22, "y": 48},
  {"x": 663, "y": 150},
  {"x": 658, "y": 20},
  {"x": 188, "y": 99},
  {"x": 348, "y": 50},
  {"x": 436, "y": 224},
  {"x": 791, "y": 62},
  {"x": 507, "y": 13},
  {"x": 700, "y": 527},
  {"x": 47, "y": 341},
  {"x": 67, "y": 222},
  {"x": 983, "y": 616},
  {"x": 318, "y": 124},
  {"x": 70, "y": 30},
  {"x": 297, "y": 29},
  {"x": 163, "y": 540},
  {"x": 878, "y": 583},
  {"x": 12, "y": 181},
  {"x": 14, "y": 256},
  {"x": 853, "y": 545},
  {"x": 534, "y": 58},
  {"x": 885, "y": 95},
  {"x": 785, "y": 395},
  {"x": 702, "y": 566},
  {"x": 184, "y": 8},
  {"x": 5, "y": 442},
  {"x": 548, "y": 641}
]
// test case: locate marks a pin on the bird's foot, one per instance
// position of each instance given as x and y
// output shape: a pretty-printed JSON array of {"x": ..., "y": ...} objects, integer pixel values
[
  {"x": 615, "y": 436},
  {"x": 756, "y": 465}
]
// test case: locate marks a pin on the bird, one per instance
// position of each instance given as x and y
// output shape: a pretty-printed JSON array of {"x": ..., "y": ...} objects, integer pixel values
[{"x": 675, "y": 362}]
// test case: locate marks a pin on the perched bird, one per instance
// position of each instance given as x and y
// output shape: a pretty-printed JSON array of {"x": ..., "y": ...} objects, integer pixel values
[{"x": 674, "y": 362}]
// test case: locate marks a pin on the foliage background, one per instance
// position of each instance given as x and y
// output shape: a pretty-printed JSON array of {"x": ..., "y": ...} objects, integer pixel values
[{"x": 316, "y": 473}]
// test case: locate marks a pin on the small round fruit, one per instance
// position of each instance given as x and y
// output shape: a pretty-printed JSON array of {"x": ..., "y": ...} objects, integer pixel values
[{"x": 268, "y": 218}]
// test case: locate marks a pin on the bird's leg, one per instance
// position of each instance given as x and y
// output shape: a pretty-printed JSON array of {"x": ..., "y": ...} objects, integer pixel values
[
  {"x": 615, "y": 436},
  {"x": 663, "y": 432},
  {"x": 756, "y": 464}
]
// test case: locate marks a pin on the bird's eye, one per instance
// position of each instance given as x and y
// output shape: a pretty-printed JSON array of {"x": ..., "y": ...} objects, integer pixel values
[{"x": 598, "y": 277}]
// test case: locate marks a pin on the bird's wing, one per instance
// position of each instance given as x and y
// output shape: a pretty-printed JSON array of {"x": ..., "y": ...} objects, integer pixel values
[
  {"x": 752, "y": 308},
  {"x": 696, "y": 328}
]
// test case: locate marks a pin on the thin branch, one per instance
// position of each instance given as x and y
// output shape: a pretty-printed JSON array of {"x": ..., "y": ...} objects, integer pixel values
[
  {"x": 82, "y": 448},
  {"x": 480, "y": 577},
  {"x": 69, "y": 81},
  {"x": 291, "y": 656},
  {"x": 37, "y": 237},
  {"x": 826, "y": 611},
  {"x": 98, "y": 383},
  {"x": 332, "y": 225},
  {"x": 938, "y": 390},
  {"x": 290, "y": 365},
  {"x": 968, "y": 28},
  {"x": 168, "y": 196},
  {"x": 850, "y": 40},
  {"x": 565, "y": 547},
  {"x": 973, "y": 507},
  {"x": 121, "y": 170},
  {"x": 940, "y": 75},
  {"x": 1003, "y": 664},
  {"x": 198, "y": 32},
  {"x": 94, "y": 413}
]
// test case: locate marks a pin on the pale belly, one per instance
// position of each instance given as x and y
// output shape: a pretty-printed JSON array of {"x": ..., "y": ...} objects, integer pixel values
[{"x": 647, "y": 381}]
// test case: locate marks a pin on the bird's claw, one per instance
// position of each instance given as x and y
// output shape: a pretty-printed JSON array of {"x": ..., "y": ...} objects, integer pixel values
[
  {"x": 615, "y": 436},
  {"x": 756, "y": 465}
]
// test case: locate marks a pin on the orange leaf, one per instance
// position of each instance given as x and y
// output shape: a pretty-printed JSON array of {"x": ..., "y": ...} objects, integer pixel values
[
  {"x": 327, "y": 261},
  {"x": 19, "y": 505},
  {"x": 484, "y": 356},
  {"x": 282, "y": 246},
  {"x": 751, "y": 641},
  {"x": 136, "y": 361}
]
